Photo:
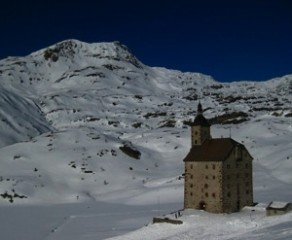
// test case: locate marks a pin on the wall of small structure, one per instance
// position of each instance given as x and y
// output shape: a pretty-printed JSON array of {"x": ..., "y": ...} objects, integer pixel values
[{"x": 276, "y": 212}]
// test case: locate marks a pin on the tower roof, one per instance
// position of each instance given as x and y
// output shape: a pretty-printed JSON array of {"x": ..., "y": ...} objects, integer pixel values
[
  {"x": 200, "y": 108},
  {"x": 200, "y": 120}
]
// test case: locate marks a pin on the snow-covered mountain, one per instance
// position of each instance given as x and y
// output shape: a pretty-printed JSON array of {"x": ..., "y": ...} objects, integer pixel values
[
  {"x": 76, "y": 104},
  {"x": 86, "y": 121}
]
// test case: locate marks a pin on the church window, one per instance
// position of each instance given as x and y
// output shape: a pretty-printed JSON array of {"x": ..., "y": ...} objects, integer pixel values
[
  {"x": 228, "y": 194},
  {"x": 191, "y": 176},
  {"x": 206, "y": 166},
  {"x": 213, "y": 195},
  {"x": 191, "y": 193},
  {"x": 196, "y": 132},
  {"x": 191, "y": 185},
  {"x": 206, "y": 194},
  {"x": 247, "y": 191},
  {"x": 214, "y": 177},
  {"x": 206, "y": 177},
  {"x": 196, "y": 141},
  {"x": 191, "y": 166},
  {"x": 228, "y": 176},
  {"x": 206, "y": 185}
]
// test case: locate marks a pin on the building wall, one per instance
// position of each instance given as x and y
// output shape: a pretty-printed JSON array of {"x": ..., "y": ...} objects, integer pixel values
[
  {"x": 237, "y": 180},
  {"x": 203, "y": 184},
  {"x": 273, "y": 212},
  {"x": 200, "y": 134}
]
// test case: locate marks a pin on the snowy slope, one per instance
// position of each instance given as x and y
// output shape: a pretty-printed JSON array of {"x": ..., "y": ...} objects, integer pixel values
[
  {"x": 69, "y": 110},
  {"x": 21, "y": 118}
]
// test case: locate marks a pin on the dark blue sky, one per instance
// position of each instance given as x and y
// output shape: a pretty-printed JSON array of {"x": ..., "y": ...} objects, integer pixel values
[{"x": 230, "y": 40}]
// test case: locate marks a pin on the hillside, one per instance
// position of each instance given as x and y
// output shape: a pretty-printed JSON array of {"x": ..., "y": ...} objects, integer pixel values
[{"x": 87, "y": 122}]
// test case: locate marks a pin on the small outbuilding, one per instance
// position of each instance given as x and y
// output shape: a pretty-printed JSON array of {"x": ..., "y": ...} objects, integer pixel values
[{"x": 278, "y": 208}]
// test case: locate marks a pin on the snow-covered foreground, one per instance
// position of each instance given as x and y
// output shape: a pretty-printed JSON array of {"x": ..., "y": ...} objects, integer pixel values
[
  {"x": 88, "y": 221},
  {"x": 89, "y": 125},
  {"x": 100, "y": 220},
  {"x": 250, "y": 223}
]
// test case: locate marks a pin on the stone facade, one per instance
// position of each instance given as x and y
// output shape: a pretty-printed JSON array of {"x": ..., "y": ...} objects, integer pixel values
[
  {"x": 237, "y": 180},
  {"x": 203, "y": 186},
  {"x": 218, "y": 172},
  {"x": 200, "y": 134}
]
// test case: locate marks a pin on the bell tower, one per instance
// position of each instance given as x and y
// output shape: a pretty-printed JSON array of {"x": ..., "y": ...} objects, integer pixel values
[{"x": 200, "y": 128}]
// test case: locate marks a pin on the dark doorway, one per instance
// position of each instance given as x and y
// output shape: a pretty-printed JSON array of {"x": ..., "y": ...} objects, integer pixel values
[{"x": 202, "y": 205}]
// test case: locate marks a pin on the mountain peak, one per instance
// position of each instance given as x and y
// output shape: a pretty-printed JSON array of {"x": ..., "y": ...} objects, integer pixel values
[
  {"x": 63, "y": 49},
  {"x": 72, "y": 48}
]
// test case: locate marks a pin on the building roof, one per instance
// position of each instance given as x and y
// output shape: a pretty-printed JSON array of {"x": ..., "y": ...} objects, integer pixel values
[{"x": 214, "y": 150}]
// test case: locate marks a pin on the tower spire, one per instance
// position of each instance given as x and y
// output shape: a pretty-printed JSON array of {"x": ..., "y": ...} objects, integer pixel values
[{"x": 200, "y": 109}]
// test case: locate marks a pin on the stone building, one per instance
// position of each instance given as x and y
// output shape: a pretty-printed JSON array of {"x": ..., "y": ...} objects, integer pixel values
[{"x": 218, "y": 171}]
